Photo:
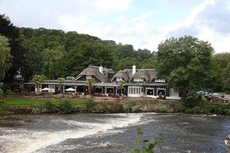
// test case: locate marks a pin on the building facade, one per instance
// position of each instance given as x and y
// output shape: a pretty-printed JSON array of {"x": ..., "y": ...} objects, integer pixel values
[{"x": 137, "y": 83}]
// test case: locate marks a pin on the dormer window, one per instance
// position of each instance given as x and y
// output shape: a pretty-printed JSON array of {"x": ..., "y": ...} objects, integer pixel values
[
  {"x": 118, "y": 79},
  {"x": 88, "y": 76},
  {"x": 138, "y": 79},
  {"x": 160, "y": 80}
]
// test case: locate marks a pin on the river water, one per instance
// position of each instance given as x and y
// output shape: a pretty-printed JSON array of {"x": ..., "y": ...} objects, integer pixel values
[{"x": 110, "y": 133}]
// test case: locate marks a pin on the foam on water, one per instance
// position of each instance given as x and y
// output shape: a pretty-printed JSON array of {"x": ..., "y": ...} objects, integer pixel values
[{"x": 27, "y": 141}]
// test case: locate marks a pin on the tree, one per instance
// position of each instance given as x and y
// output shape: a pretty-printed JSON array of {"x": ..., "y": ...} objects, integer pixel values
[
  {"x": 53, "y": 61},
  {"x": 121, "y": 83},
  {"x": 143, "y": 55},
  {"x": 60, "y": 81},
  {"x": 37, "y": 79},
  {"x": 186, "y": 63},
  {"x": 10, "y": 31},
  {"x": 227, "y": 78},
  {"x": 127, "y": 63},
  {"x": 5, "y": 56},
  {"x": 90, "y": 81}
]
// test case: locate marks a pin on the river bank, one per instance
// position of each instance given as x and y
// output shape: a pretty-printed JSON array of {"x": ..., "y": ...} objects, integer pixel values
[{"x": 122, "y": 106}]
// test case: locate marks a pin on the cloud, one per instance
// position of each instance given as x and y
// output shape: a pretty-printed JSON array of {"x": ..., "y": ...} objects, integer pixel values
[
  {"x": 209, "y": 22},
  {"x": 216, "y": 17},
  {"x": 124, "y": 21}
]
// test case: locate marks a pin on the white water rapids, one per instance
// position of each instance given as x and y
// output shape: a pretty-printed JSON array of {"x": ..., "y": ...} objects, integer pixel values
[{"x": 24, "y": 140}]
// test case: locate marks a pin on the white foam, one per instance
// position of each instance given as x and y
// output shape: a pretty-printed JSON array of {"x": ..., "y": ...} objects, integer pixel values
[{"x": 25, "y": 141}]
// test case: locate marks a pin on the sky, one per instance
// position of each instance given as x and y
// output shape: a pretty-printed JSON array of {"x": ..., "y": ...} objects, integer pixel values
[{"x": 141, "y": 23}]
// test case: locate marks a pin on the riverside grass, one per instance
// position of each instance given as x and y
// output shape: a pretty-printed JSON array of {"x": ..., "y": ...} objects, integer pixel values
[{"x": 31, "y": 101}]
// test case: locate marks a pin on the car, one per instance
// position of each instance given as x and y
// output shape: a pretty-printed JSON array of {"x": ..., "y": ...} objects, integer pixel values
[
  {"x": 217, "y": 97},
  {"x": 204, "y": 93}
]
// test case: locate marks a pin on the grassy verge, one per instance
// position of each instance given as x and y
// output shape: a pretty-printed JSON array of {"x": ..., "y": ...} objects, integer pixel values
[{"x": 30, "y": 101}]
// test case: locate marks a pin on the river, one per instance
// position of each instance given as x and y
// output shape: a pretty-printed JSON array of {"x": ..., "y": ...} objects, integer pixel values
[{"x": 110, "y": 133}]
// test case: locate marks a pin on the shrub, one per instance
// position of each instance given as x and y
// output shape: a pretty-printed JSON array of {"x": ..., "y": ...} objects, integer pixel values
[
  {"x": 64, "y": 107},
  {"x": 179, "y": 107},
  {"x": 1, "y": 94},
  {"x": 50, "y": 106},
  {"x": 118, "y": 108},
  {"x": 216, "y": 107},
  {"x": 89, "y": 103},
  {"x": 147, "y": 145},
  {"x": 162, "y": 109},
  {"x": 196, "y": 109}
]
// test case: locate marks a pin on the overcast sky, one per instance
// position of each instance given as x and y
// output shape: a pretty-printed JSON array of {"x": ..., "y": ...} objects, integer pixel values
[{"x": 142, "y": 23}]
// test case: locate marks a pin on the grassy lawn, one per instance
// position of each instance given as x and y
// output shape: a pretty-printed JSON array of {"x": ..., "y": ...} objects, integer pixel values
[{"x": 31, "y": 101}]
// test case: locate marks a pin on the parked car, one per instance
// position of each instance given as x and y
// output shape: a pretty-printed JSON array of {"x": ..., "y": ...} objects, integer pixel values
[
  {"x": 204, "y": 93},
  {"x": 217, "y": 97}
]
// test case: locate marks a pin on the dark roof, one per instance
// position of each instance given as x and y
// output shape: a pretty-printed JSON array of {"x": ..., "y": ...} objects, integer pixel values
[
  {"x": 141, "y": 74},
  {"x": 121, "y": 74},
  {"x": 126, "y": 74},
  {"x": 94, "y": 71}
]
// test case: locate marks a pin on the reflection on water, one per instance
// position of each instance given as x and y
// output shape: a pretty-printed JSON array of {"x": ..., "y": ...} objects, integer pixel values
[{"x": 97, "y": 133}]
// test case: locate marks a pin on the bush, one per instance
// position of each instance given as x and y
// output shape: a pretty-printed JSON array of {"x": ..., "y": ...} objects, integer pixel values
[
  {"x": 89, "y": 103},
  {"x": 50, "y": 106},
  {"x": 147, "y": 145},
  {"x": 64, "y": 107},
  {"x": 162, "y": 109},
  {"x": 1, "y": 94},
  {"x": 195, "y": 110},
  {"x": 179, "y": 107},
  {"x": 118, "y": 108},
  {"x": 216, "y": 108}
]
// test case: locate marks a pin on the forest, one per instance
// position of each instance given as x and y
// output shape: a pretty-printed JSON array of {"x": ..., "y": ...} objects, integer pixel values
[{"x": 56, "y": 53}]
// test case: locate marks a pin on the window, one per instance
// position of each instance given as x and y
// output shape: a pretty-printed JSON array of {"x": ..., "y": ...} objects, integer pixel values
[
  {"x": 159, "y": 80},
  {"x": 118, "y": 79},
  {"x": 88, "y": 76},
  {"x": 138, "y": 79},
  {"x": 173, "y": 93},
  {"x": 135, "y": 90}
]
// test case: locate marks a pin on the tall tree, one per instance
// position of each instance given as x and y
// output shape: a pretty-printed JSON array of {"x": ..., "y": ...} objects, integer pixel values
[
  {"x": 5, "y": 56},
  {"x": 53, "y": 61},
  {"x": 186, "y": 63},
  {"x": 37, "y": 79},
  {"x": 90, "y": 82},
  {"x": 8, "y": 30},
  {"x": 127, "y": 63},
  {"x": 121, "y": 84},
  {"x": 143, "y": 55},
  {"x": 61, "y": 81}
]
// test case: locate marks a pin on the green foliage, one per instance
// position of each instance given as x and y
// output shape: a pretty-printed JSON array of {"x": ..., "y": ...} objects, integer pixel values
[
  {"x": 195, "y": 110},
  {"x": 1, "y": 100},
  {"x": 179, "y": 107},
  {"x": 50, "y": 106},
  {"x": 90, "y": 82},
  {"x": 53, "y": 61},
  {"x": 5, "y": 56},
  {"x": 1, "y": 94},
  {"x": 147, "y": 145},
  {"x": 162, "y": 109},
  {"x": 37, "y": 79},
  {"x": 8, "y": 30},
  {"x": 186, "y": 63},
  {"x": 64, "y": 107},
  {"x": 217, "y": 108},
  {"x": 127, "y": 63},
  {"x": 89, "y": 103},
  {"x": 1, "y": 105}
]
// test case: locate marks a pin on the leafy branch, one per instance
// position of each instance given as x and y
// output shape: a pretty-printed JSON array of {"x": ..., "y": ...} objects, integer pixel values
[{"x": 147, "y": 145}]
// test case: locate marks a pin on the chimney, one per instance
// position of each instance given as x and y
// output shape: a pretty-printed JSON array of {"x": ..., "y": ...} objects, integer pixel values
[
  {"x": 101, "y": 69},
  {"x": 133, "y": 69}
]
